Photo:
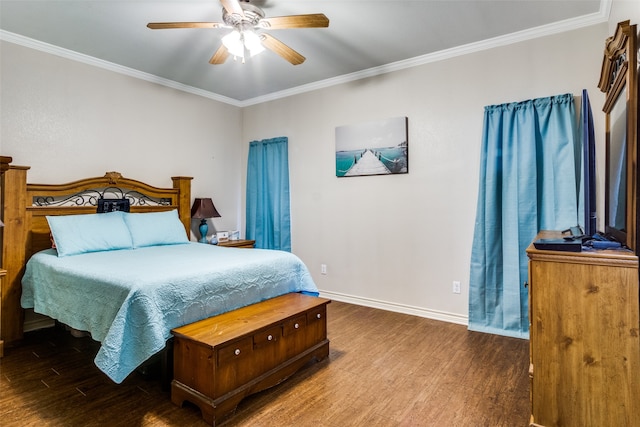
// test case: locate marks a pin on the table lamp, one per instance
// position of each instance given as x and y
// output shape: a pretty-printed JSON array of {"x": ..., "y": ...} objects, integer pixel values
[{"x": 203, "y": 209}]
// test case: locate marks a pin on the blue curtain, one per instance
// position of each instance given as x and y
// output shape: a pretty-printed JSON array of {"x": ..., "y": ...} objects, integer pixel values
[
  {"x": 528, "y": 182},
  {"x": 268, "y": 206}
]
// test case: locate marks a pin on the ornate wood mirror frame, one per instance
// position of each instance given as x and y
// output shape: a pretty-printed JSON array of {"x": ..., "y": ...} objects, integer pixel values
[{"x": 618, "y": 79}]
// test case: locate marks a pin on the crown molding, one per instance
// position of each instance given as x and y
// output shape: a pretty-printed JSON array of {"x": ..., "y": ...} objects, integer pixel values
[
  {"x": 90, "y": 60},
  {"x": 559, "y": 27}
]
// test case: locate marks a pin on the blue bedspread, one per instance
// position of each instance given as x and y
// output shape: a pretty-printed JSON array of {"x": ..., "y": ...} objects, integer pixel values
[{"x": 129, "y": 300}]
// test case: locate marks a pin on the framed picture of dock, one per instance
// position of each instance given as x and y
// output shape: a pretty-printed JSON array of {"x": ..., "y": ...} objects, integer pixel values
[{"x": 373, "y": 148}]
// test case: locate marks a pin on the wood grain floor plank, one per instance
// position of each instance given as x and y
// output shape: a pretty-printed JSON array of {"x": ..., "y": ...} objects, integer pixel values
[{"x": 384, "y": 369}]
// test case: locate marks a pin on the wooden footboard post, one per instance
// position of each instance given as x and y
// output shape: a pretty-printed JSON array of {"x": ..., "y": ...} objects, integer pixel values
[{"x": 14, "y": 250}]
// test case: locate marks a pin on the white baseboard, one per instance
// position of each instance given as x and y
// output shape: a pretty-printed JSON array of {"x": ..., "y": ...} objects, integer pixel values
[
  {"x": 34, "y": 321},
  {"x": 398, "y": 308}
]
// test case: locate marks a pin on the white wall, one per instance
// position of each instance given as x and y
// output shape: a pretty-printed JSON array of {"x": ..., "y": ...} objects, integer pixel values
[
  {"x": 392, "y": 241},
  {"x": 69, "y": 120},
  {"x": 622, "y": 10},
  {"x": 400, "y": 241}
]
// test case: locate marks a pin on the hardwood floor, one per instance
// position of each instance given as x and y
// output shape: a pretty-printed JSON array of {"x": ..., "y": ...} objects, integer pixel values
[{"x": 384, "y": 369}]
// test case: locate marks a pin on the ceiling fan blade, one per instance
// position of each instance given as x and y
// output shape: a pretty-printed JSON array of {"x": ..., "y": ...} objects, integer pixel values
[
  {"x": 232, "y": 6},
  {"x": 220, "y": 56},
  {"x": 315, "y": 20},
  {"x": 281, "y": 49},
  {"x": 165, "y": 25}
]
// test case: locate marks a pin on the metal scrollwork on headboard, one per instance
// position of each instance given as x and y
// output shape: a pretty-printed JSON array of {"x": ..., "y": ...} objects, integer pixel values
[{"x": 91, "y": 197}]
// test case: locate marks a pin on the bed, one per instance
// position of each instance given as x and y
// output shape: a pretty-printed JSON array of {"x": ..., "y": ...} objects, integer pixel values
[
  {"x": 131, "y": 299},
  {"x": 128, "y": 298}
]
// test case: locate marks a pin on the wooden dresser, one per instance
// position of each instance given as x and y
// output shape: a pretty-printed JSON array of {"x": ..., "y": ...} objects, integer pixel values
[
  {"x": 220, "y": 360},
  {"x": 584, "y": 337}
]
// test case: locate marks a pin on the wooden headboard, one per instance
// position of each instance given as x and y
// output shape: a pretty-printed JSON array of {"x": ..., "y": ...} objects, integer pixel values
[{"x": 26, "y": 230}]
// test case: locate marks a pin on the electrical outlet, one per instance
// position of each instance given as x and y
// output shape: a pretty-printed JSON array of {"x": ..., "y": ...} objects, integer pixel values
[
  {"x": 323, "y": 268},
  {"x": 456, "y": 287}
]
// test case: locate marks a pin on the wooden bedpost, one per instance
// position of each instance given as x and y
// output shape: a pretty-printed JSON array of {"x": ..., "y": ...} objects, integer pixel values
[
  {"x": 14, "y": 250},
  {"x": 183, "y": 184},
  {"x": 5, "y": 161}
]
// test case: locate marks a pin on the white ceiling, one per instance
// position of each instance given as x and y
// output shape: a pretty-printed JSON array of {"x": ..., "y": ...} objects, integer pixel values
[{"x": 364, "y": 38}]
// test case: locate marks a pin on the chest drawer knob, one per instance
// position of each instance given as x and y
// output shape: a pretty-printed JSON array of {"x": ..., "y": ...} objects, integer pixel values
[
  {"x": 318, "y": 316},
  {"x": 237, "y": 352},
  {"x": 270, "y": 338},
  {"x": 297, "y": 325}
]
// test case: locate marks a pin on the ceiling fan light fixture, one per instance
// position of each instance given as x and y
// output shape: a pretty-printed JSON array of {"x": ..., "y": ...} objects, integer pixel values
[
  {"x": 239, "y": 41},
  {"x": 233, "y": 43},
  {"x": 252, "y": 42}
]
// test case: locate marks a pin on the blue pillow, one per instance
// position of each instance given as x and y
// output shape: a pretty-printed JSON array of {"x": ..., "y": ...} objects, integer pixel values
[
  {"x": 77, "y": 234},
  {"x": 156, "y": 228}
]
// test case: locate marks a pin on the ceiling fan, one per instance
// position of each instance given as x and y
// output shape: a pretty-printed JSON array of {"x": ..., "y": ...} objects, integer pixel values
[{"x": 247, "y": 22}]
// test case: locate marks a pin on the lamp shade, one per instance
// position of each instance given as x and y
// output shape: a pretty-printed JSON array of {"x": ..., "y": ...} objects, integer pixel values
[{"x": 203, "y": 208}]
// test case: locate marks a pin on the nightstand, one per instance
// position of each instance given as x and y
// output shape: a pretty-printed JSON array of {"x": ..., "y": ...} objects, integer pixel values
[{"x": 238, "y": 243}]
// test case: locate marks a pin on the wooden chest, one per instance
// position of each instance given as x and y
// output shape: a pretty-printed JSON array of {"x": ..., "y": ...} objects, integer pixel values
[{"x": 220, "y": 360}]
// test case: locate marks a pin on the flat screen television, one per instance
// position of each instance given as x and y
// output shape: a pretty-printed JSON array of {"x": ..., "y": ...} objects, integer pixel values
[{"x": 589, "y": 159}]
